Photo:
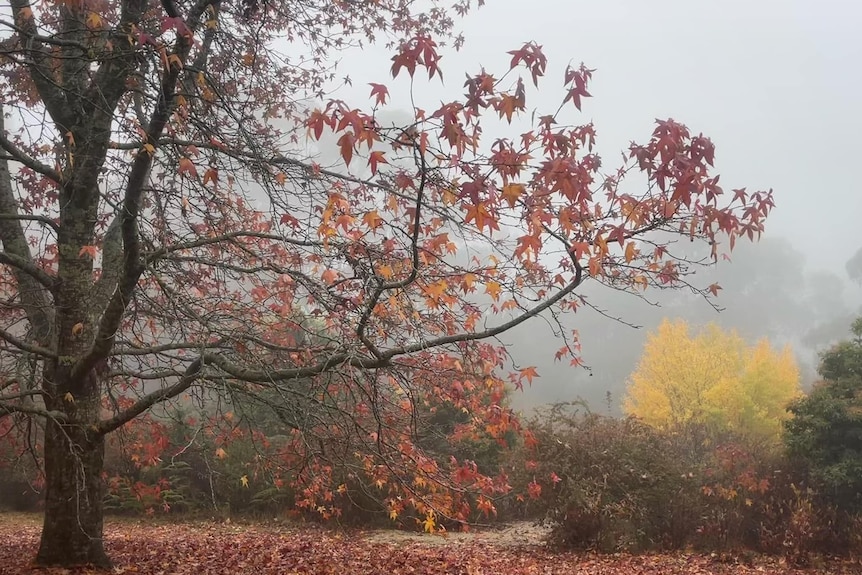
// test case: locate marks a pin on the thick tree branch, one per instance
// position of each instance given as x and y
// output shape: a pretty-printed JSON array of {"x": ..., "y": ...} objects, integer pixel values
[
  {"x": 28, "y": 267},
  {"x": 132, "y": 263},
  {"x": 10, "y": 408},
  {"x": 112, "y": 262},
  {"x": 51, "y": 93},
  {"x": 32, "y": 280},
  {"x": 32, "y": 163},
  {"x": 191, "y": 374},
  {"x": 26, "y": 346},
  {"x": 109, "y": 83}
]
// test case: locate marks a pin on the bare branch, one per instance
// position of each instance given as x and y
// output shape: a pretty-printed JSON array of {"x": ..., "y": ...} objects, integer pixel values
[
  {"x": 28, "y": 267},
  {"x": 24, "y": 345},
  {"x": 10, "y": 408},
  {"x": 150, "y": 350},
  {"x": 44, "y": 220},
  {"x": 32, "y": 163},
  {"x": 202, "y": 242}
]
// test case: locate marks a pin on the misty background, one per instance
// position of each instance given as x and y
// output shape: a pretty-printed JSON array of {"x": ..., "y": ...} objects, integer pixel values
[{"x": 775, "y": 84}]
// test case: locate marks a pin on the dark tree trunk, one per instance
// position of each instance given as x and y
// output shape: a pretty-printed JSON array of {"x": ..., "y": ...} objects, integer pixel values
[{"x": 72, "y": 532}]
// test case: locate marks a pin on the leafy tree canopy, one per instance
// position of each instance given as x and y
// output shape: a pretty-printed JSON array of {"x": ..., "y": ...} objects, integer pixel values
[
  {"x": 712, "y": 377},
  {"x": 826, "y": 429}
]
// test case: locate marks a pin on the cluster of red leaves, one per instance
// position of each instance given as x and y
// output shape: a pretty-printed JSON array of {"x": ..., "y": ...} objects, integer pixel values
[{"x": 204, "y": 548}]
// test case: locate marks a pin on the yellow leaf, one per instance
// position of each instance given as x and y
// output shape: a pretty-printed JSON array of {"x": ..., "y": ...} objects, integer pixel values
[
  {"x": 481, "y": 217},
  {"x": 602, "y": 245},
  {"x": 244, "y": 480},
  {"x": 393, "y": 515},
  {"x": 149, "y": 148},
  {"x": 220, "y": 453},
  {"x": 429, "y": 524},
  {"x": 493, "y": 289},
  {"x": 69, "y": 397},
  {"x": 94, "y": 20}
]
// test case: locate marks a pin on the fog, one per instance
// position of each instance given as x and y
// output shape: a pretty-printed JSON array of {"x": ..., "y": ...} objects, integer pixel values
[
  {"x": 775, "y": 84},
  {"x": 769, "y": 290}
]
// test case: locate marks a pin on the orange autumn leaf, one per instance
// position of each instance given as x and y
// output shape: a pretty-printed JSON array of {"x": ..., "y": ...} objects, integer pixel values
[
  {"x": 481, "y": 217},
  {"x": 372, "y": 219},
  {"x": 513, "y": 192},
  {"x": 493, "y": 289}
]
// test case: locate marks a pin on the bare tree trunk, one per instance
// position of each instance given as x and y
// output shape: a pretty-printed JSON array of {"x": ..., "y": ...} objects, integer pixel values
[
  {"x": 72, "y": 532},
  {"x": 74, "y": 460}
]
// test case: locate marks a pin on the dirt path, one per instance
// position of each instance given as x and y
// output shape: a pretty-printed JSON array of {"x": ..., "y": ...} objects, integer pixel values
[{"x": 519, "y": 534}]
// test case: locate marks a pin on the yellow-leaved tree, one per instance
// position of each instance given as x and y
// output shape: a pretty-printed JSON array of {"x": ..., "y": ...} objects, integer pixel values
[{"x": 712, "y": 377}]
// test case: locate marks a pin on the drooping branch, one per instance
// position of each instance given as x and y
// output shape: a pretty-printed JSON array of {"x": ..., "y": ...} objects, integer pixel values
[
  {"x": 386, "y": 358},
  {"x": 191, "y": 374}
]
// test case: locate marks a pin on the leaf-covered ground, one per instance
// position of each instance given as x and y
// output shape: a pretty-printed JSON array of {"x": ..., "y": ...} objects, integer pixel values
[{"x": 142, "y": 547}]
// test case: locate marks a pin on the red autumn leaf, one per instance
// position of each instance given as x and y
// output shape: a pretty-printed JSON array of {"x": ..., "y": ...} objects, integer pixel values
[
  {"x": 529, "y": 373},
  {"x": 329, "y": 276},
  {"x": 376, "y": 158},
  {"x": 380, "y": 93},
  {"x": 317, "y": 121},
  {"x": 211, "y": 175},
  {"x": 345, "y": 144}
]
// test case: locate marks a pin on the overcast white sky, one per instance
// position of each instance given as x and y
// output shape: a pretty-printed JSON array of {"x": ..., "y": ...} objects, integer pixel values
[{"x": 775, "y": 84}]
